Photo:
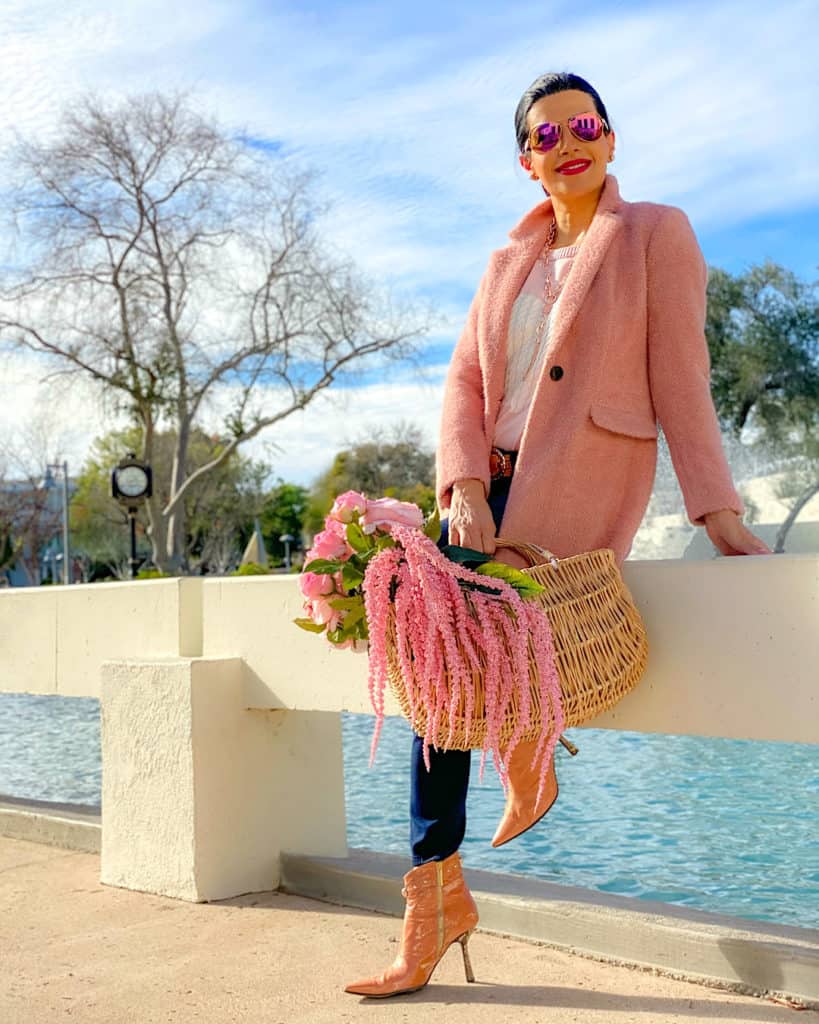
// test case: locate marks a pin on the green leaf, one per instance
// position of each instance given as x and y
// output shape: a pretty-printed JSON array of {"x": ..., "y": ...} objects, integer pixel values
[
  {"x": 340, "y": 603},
  {"x": 323, "y": 565},
  {"x": 352, "y": 617},
  {"x": 525, "y": 585},
  {"x": 351, "y": 576},
  {"x": 463, "y": 556},
  {"x": 310, "y": 626},
  {"x": 432, "y": 527},
  {"x": 385, "y": 541},
  {"x": 357, "y": 539}
]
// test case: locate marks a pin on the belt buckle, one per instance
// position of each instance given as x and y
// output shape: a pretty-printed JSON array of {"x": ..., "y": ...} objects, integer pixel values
[{"x": 501, "y": 462}]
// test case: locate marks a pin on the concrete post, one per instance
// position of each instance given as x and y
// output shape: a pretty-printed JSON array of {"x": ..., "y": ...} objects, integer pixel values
[{"x": 199, "y": 794}]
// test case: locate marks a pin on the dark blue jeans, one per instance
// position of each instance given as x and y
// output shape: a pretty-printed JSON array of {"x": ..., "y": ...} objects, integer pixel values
[{"x": 438, "y": 796}]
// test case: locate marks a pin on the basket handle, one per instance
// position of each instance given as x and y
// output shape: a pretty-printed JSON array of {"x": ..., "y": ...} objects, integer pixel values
[{"x": 536, "y": 554}]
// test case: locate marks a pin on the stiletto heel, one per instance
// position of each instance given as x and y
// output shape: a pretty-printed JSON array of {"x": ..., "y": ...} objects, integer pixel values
[{"x": 464, "y": 939}]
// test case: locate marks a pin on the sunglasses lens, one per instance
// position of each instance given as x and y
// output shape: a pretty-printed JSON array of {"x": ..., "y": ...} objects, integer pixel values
[
  {"x": 544, "y": 136},
  {"x": 587, "y": 127}
]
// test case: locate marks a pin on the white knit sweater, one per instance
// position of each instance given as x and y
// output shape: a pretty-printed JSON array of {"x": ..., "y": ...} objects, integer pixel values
[{"x": 526, "y": 312}]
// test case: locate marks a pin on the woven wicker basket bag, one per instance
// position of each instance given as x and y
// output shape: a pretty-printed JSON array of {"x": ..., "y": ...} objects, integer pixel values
[{"x": 600, "y": 644}]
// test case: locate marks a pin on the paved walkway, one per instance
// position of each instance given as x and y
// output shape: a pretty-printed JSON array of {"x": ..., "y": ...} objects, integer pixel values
[{"x": 72, "y": 949}]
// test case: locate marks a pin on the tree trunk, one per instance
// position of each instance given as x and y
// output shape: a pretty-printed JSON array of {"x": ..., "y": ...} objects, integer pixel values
[
  {"x": 175, "y": 521},
  {"x": 782, "y": 532}
]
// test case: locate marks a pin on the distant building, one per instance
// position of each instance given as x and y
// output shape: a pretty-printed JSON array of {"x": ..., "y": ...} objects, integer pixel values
[{"x": 35, "y": 513}]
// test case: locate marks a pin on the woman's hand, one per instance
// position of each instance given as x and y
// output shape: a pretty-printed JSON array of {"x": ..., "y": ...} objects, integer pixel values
[
  {"x": 730, "y": 536},
  {"x": 470, "y": 518}
]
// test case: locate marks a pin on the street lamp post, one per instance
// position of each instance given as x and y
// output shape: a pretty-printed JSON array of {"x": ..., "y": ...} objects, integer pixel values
[
  {"x": 131, "y": 486},
  {"x": 287, "y": 539},
  {"x": 63, "y": 468}
]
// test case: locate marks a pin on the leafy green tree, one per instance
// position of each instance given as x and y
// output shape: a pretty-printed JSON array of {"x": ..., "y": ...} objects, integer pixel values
[
  {"x": 762, "y": 328},
  {"x": 218, "y": 508},
  {"x": 30, "y": 517},
  {"x": 394, "y": 464},
  {"x": 98, "y": 524},
  {"x": 283, "y": 512},
  {"x": 8, "y": 549},
  {"x": 763, "y": 335}
]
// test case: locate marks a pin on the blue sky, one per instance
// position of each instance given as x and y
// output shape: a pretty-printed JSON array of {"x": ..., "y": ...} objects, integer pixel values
[{"x": 405, "y": 111}]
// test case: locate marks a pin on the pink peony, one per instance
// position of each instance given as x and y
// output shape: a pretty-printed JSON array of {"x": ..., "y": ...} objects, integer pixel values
[
  {"x": 347, "y": 506},
  {"x": 315, "y": 584},
  {"x": 390, "y": 512}
]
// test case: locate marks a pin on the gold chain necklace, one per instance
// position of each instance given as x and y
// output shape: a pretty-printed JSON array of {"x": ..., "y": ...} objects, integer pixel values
[{"x": 550, "y": 294}]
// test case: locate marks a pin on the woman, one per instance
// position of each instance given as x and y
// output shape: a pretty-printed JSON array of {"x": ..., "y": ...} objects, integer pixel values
[{"x": 549, "y": 435}]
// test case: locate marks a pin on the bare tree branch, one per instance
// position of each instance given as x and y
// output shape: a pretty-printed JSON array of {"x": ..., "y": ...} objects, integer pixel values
[{"x": 174, "y": 266}]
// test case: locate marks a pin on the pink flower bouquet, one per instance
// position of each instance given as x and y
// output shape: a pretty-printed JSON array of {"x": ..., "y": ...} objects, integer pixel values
[{"x": 376, "y": 574}]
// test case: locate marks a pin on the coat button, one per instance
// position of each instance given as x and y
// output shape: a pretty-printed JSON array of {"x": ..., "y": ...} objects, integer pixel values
[{"x": 556, "y": 372}]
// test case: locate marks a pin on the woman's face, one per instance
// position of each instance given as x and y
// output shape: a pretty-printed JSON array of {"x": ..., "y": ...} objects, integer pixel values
[{"x": 545, "y": 166}]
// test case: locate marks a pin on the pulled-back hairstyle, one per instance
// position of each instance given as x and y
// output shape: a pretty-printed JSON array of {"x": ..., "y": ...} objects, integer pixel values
[{"x": 546, "y": 85}]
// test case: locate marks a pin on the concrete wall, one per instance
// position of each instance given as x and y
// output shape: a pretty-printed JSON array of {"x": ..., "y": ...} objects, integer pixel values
[
  {"x": 728, "y": 637},
  {"x": 221, "y": 735}
]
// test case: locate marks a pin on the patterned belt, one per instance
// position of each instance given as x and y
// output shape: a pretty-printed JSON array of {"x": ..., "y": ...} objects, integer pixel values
[{"x": 501, "y": 463}]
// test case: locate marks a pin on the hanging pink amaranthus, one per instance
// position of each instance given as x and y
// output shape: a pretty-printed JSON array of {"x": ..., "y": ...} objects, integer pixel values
[{"x": 442, "y": 627}]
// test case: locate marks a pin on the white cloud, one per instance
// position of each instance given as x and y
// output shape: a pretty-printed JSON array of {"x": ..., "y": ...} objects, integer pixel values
[
  {"x": 414, "y": 135},
  {"x": 73, "y": 414},
  {"x": 713, "y": 107}
]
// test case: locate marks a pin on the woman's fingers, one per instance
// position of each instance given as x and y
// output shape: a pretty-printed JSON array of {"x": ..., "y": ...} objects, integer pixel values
[
  {"x": 476, "y": 532},
  {"x": 730, "y": 536},
  {"x": 488, "y": 533}
]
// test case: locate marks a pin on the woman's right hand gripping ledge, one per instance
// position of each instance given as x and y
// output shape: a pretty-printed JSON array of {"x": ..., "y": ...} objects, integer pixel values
[{"x": 471, "y": 524}]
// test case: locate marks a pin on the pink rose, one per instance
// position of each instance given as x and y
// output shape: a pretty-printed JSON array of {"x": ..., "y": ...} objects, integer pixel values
[
  {"x": 322, "y": 612},
  {"x": 387, "y": 512},
  {"x": 347, "y": 506},
  {"x": 315, "y": 584},
  {"x": 331, "y": 542}
]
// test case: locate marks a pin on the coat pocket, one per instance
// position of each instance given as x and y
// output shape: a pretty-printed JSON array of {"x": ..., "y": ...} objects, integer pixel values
[{"x": 632, "y": 422}]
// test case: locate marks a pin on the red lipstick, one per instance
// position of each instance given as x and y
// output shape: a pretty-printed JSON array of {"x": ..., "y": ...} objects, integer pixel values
[{"x": 574, "y": 166}]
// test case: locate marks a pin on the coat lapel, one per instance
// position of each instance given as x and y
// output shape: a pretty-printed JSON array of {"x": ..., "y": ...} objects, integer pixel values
[
  {"x": 605, "y": 224},
  {"x": 511, "y": 267}
]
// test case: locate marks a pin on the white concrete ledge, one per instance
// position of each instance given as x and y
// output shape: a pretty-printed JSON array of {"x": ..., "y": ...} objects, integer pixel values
[
  {"x": 753, "y": 957},
  {"x": 69, "y": 826},
  {"x": 733, "y": 644}
]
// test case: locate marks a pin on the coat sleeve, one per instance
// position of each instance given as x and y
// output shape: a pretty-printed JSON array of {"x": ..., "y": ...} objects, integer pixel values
[
  {"x": 463, "y": 448},
  {"x": 679, "y": 367}
]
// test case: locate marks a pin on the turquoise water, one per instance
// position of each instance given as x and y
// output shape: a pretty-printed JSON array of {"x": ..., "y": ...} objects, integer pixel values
[{"x": 720, "y": 825}]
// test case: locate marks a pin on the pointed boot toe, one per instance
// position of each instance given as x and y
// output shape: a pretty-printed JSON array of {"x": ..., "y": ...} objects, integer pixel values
[
  {"x": 522, "y": 811},
  {"x": 379, "y": 987}
]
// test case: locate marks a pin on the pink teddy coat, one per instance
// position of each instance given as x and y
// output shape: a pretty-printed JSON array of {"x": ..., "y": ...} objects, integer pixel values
[{"x": 628, "y": 334}]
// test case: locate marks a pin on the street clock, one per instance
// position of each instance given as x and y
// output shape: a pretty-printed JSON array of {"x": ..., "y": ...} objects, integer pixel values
[{"x": 131, "y": 481}]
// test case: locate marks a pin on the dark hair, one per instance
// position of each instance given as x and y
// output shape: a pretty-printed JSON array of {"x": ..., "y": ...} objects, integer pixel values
[{"x": 546, "y": 85}]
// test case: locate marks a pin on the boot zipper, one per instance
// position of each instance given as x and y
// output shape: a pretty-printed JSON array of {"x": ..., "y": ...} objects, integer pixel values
[{"x": 440, "y": 872}]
